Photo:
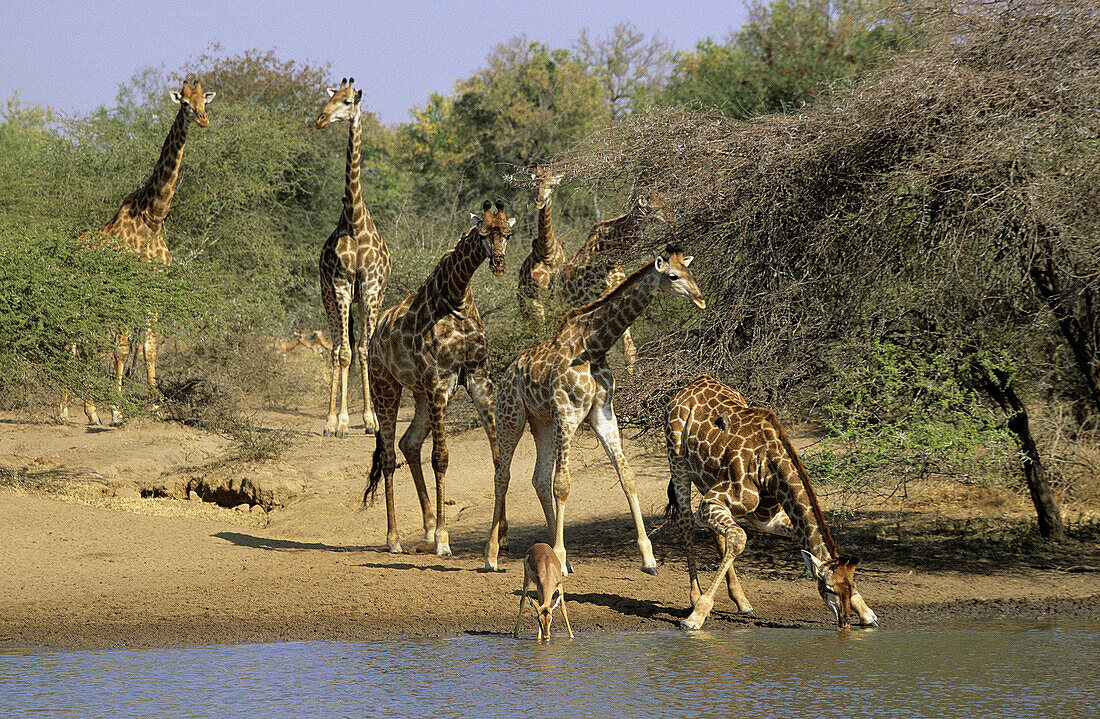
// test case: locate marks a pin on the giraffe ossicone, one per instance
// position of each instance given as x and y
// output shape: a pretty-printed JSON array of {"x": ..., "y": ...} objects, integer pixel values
[
  {"x": 745, "y": 467},
  {"x": 565, "y": 381}
]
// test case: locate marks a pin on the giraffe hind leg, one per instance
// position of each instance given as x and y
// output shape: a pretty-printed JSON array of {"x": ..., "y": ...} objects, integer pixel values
[{"x": 714, "y": 513}]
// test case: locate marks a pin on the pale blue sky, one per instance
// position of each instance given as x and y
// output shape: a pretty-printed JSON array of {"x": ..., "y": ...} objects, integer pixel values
[{"x": 74, "y": 54}]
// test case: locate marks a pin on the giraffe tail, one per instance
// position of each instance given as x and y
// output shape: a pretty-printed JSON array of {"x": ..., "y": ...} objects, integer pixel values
[
  {"x": 673, "y": 505},
  {"x": 375, "y": 476}
]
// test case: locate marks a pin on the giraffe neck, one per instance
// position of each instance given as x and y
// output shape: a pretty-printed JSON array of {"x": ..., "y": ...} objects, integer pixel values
[
  {"x": 356, "y": 215},
  {"x": 449, "y": 283},
  {"x": 799, "y": 501},
  {"x": 161, "y": 186},
  {"x": 608, "y": 318},
  {"x": 619, "y": 233},
  {"x": 546, "y": 243}
]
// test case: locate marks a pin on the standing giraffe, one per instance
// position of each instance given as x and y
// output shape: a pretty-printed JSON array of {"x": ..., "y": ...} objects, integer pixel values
[
  {"x": 745, "y": 467},
  {"x": 547, "y": 255},
  {"x": 596, "y": 268},
  {"x": 137, "y": 225},
  {"x": 430, "y": 343},
  {"x": 557, "y": 385},
  {"x": 354, "y": 267}
]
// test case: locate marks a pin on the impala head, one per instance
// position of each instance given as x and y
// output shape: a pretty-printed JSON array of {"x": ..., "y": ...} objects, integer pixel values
[
  {"x": 676, "y": 278},
  {"x": 545, "y": 181},
  {"x": 495, "y": 229},
  {"x": 342, "y": 105},
  {"x": 194, "y": 102},
  {"x": 837, "y": 586}
]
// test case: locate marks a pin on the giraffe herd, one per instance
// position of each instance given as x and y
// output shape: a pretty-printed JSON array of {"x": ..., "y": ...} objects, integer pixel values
[{"x": 736, "y": 456}]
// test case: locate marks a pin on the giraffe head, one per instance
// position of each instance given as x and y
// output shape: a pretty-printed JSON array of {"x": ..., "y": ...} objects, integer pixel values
[
  {"x": 194, "y": 102},
  {"x": 837, "y": 585},
  {"x": 654, "y": 208},
  {"x": 342, "y": 105},
  {"x": 545, "y": 180},
  {"x": 676, "y": 278},
  {"x": 495, "y": 229}
]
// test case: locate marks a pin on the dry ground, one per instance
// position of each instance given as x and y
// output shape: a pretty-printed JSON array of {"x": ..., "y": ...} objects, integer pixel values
[{"x": 88, "y": 562}]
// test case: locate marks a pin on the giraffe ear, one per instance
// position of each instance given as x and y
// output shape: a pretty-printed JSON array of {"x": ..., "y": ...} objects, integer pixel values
[
  {"x": 512, "y": 222},
  {"x": 331, "y": 91},
  {"x": 660, "y": 264},
  {"x": 813, "y": 565},
  {"x": 556, "y": 179},
  {"x": 208, "y": 97},
  {"x": 358, "y": 97},
  {"x": 176, "y": 97},
  {"x": 688, "y": 259},
  {"x": 475, "y": 218}
]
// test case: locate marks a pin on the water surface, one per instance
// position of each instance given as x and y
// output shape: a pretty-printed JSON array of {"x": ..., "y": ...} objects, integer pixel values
[{"x": 990, "y": 670}]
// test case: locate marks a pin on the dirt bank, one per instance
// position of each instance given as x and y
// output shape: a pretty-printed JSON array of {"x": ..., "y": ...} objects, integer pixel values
[{"x": 88, "y": 562}]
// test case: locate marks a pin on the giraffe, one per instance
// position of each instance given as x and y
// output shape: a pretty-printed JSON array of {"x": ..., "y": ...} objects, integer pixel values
[
  {"x": 137, "y": 226},
  {"x": 547, "y": 255},
  {"x": 596, "y": 265},
  {"x": 745, "y": 467},
  {"x": 557, "y": 385},
  {"x": 354, "y": 267},
  {"x": 429, "y": 344}
]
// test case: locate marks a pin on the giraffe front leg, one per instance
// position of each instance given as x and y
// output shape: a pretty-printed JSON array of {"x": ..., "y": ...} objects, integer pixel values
[
  {"x": 438, "y": 414},
  {"x": 337, "y": 299},
  {"x": 562, "y": 481},
  {"x": 511, "y": 417},
  {"x": 368, "y": 318},
  {"x": 602, "y": 419},
  {"x": 480, "y": 389},
  {"x": 387, "y": 399},
  {"x": 717, "y": 516}
]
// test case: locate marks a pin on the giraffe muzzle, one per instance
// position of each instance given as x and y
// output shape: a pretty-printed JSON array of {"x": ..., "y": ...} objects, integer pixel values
[{"x": 496, "y": 265}]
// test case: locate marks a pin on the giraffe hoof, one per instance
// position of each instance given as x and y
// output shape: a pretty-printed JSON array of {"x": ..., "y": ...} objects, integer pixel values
[
  {"x": 492, "y": 567},
  {"x": 689, "y": 625},
  {"x": 396, "y": 549},
  {"x": 650, "y": 570}
]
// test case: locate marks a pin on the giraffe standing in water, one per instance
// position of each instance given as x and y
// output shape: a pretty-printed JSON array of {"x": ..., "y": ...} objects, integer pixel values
[
  {"x": 547, "y": 255},
  {"x": 595, "y": 269},
  {"x": 137, "y": 226},
  {"x": 430, "y": 344},
  {"x": 555, "y": 386},
  {"x": 746, "y": 468},
  {"x": 354, "y": 268}
]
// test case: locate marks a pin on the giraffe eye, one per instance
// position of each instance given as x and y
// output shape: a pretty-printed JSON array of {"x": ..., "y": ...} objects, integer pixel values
[{"x": 674, "y": 277}]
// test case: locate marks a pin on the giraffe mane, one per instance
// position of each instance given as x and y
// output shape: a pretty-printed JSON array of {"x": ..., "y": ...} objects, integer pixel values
[{"x": 814, "y": 504}]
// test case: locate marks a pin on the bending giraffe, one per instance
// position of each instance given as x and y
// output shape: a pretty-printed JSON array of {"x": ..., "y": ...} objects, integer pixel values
[
  {"x": 595, "y": 269},
  {"x": 137, "y": 225},
  {"x": 354, "y": 267},
  {"x": 547, "y": 255},
  {"x": 555, "y": 386},
  {"x": 429, "y": 344},
  {"x": 745, "y": 467}
]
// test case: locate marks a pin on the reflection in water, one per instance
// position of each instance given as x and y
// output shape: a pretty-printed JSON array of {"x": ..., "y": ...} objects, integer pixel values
[{"x": 1005, "y": 670}]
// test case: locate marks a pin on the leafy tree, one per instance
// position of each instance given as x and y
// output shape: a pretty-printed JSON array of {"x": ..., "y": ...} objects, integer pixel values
[
  {"x": 787, "y": 55},
  {"x": 529, "y": 103},
  {"x": 629, "y": 68}
]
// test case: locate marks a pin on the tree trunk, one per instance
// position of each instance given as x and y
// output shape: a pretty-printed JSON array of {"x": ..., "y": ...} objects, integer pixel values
[{"x": 996, "y": 383}]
